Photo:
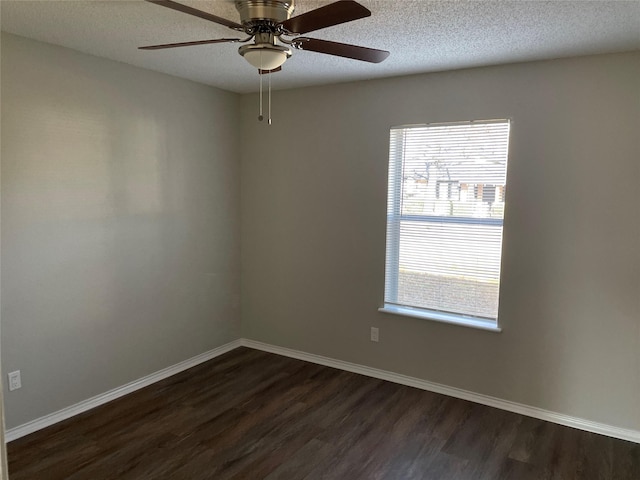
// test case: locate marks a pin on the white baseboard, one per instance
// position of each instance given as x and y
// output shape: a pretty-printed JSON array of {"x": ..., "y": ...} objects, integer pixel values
[
  {"x": 567, "y": 420},
  {"x": 559, "y": 418},
  {"x": 55, "y": 417}
]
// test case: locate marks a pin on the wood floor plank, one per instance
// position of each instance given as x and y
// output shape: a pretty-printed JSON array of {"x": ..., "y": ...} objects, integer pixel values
[
  {"x": 626, "y": 461},
  {"x": 515, "y": 469},
  {"x": 250, "y": 415},
  {"x": 302, "y": 462}
]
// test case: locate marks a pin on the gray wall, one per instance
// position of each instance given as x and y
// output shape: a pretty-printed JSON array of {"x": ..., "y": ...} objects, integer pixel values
[
  {"x": 120, "y": 223},
  {"x": 313, "y": 231},
  {"x": 3, "y": 446},
  {"x": 121, "y": 228}
]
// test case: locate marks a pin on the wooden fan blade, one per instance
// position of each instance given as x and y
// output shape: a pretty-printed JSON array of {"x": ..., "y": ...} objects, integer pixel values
[
  {"x": 188, "y": 44},
  {"x": 327, "y": 16},
  {"x": 265, "y": 72},
  {"x": 198, "y": 13},
  {"x": 342, "y": 49}
]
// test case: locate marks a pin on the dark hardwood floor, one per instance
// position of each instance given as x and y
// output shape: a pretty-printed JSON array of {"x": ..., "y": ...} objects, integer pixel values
[{"x": 254, "y": 415}]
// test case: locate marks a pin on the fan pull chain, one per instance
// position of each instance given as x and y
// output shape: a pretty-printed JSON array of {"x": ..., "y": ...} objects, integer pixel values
[
  {"x": 262, "y": 72},
  {"x": 260, "y": 117},
  {"x": 269, "y": 99}
]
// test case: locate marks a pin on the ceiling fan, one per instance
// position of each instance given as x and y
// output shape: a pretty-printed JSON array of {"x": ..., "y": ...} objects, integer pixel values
[{"x": 269, "y": 22}]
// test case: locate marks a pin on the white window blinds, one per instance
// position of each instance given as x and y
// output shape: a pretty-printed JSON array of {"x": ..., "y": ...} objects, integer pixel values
[{"x": 444, "y": 217}]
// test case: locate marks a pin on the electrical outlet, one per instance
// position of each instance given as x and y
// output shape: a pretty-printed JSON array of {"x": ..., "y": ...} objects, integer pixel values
[
  {"x": 374, "y": 334},
  {"x": 14, "y": 380}
]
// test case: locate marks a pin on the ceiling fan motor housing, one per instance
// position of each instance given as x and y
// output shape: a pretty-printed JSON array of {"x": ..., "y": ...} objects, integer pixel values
[
  {"x": 257, "y": 11},
  {"x": 260, "y": 18}
]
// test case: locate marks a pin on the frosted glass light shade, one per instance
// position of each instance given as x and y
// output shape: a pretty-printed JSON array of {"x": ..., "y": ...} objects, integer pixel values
[{"x": 265, "y": 57}]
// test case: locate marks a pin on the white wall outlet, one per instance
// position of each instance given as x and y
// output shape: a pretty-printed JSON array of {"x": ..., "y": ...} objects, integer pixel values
[
  {"x": 14, "y": 380},
  {"x": 374, "y": 334}
]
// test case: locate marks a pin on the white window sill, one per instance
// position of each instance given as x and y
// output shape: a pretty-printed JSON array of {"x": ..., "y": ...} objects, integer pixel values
[{"x": 441, "y": 317}]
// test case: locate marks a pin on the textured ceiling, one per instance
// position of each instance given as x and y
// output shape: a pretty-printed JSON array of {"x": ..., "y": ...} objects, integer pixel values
[{"x": 422, "y": 36}]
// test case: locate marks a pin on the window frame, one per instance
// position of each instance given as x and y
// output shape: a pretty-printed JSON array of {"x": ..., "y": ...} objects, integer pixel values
[{"x": 394, "y": 219}]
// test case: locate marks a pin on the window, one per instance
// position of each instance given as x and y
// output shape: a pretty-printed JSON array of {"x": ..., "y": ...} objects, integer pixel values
[{"x": 444, "y": 221}]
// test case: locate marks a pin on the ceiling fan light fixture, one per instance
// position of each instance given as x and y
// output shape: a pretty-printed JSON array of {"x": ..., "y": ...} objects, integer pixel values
[{"x": 265, "y": 57}]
